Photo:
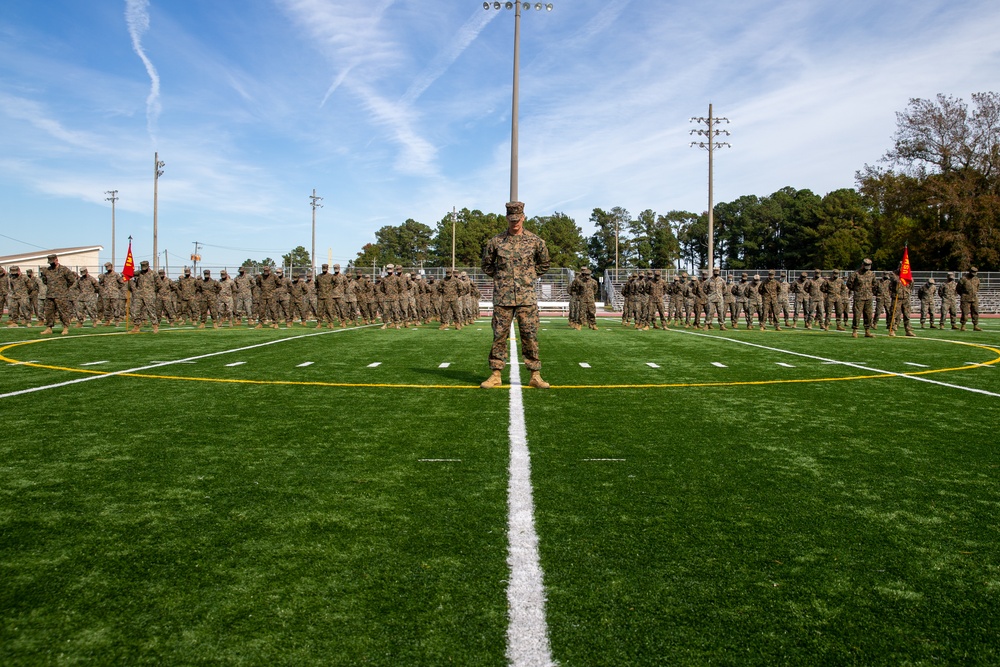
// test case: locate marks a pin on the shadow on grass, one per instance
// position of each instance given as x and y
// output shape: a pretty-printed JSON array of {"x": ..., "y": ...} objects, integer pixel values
[{"x": 459, "y": 376}]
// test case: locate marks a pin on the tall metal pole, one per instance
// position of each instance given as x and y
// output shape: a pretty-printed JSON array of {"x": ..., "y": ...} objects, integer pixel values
[
  {"x": 157, "y": 172},
  {"x": 315, "y": 205},
  {"x": 514, "y": 103},
  {"x": 454, "y": 218},
  {"x": 113, "y": 198},
  {"x": 710, "y": 132}
]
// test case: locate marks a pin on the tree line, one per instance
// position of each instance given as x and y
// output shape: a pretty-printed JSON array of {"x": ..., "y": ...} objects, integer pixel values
[{"x": 937, "y": 190}]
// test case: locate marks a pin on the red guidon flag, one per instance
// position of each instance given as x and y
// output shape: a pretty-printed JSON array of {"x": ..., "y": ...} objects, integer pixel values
[
  {"x": 129, "y": 269},
  {"x": 905, "y": 274}
]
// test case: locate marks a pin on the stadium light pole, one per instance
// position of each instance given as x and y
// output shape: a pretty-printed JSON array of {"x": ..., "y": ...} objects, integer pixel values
[
  {"x": 315, "y": 203},
  {"x": 710, "y": 133},
  {"x": 454, "y": 219},
  {"x": 157, "y": 172},
  {"x": 113, "y": 198},
  {"x": 516, "y": 6}
]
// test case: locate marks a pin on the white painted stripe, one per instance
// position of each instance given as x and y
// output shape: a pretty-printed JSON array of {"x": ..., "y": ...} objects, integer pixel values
[
  {"x": 652, "y": 365},
  {"x": 235, "y": 363},
  {"x": 21, "y": 363},
  {"x": 375, "y": 365},
  {"x": 445, "y": 364},
  {"x": 718, "y": 365},
  {"x": 910, "y": 363},
  {"x": 94, "y": 363},
  {"x": 602, "y": 459},
  {"x": 304, "y": 364},
  {"x": 785, "y": 365},
  {"x": 869, "y": 369},
  {"x": 439, "y": 460},
  {"x": 975, "y": 363},
  {"x": 527, "y": 632},
  {"x": 160, "y": 364},
  {"x": 584, "y": 364}
]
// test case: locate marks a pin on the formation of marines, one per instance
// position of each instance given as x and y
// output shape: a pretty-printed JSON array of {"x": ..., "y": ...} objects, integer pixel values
[
  {"x": 821, "y": 301},
  {"x": 402, "y": 298},
  {"x": 398, "y": 298}
]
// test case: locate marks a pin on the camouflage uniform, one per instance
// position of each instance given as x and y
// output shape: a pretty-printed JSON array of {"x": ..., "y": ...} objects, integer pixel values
[
  {"x": 243, "y": 306},
  {"x": 729, "y": 301},
  {"x": 187, "y": 292},
  {"x": 515, "y": 262},
  {"x": 862, "y": 284},
  {"x": 783, "y": 305},
  {"x": 675, "y": 301},
  {"x": 37, "y": 294},
  {"x": 769, "y": 291},
  {"x": 900, "y": 307},
  {"x": 657, "y": 289},
  {"x": 800, "y": 288},
  {"x": 58, "y": 280},
  {"x": 882, "y": 299},
  {"x": 449, "y": 291},
  {"x": 948, "y": 291},
  {"x": 299, "y": 294},
  {"x": 575, "y": 292},
  {"x": 699, "y": 290},
  {"x": 19, "y": 299},
  {"x": 227, "y": 297},
  {"x": 834, "y": 308},
  {"x": 283, "y": 298},
  {"x": 754, "y": 302},
  {"x": 715, "y": 288},
  {"x": 110, "y": 284},
  {"x": 817, "y": 301},
  {"x": 739, "y": 291},
  {"x": 327, "y": 311},
  {"x": 208, "y": 299},
  {"x": 267, "y": 284},
  {"x": 165, "y": 290},
  {"x": 88, "y": 294},
  {"x": 338, "y": 295},
  {"x": 968, "y": 290},
  {"x": 389, "y": 290},
  {"x": 588, "y": 299},
  {"x": 143, "y": 289},
  {"x": 926, "y": 294}
]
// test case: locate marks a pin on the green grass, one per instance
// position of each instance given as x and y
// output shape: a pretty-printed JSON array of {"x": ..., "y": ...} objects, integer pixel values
[{"x": 267, "y": 514}]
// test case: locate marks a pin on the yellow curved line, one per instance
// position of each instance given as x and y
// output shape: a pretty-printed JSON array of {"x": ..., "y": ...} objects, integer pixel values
[{"x": 439, "y": 386}]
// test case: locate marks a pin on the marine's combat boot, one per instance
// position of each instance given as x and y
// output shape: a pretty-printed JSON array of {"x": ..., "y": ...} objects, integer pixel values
[
  {"x": 869, "y": 334},
  {"x": 493, "y": 381},
  {"x": 854, "y": 333},
  {"x": 909, "y": 332},
  {"x": 536, "y": 381},
  {"x": 65, "y": 331},
  {"x": 156, "y": 328},
  {"x": 976, "y": 327}
]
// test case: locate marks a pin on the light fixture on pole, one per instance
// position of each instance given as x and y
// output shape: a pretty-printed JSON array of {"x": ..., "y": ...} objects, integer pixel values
[
  {"x": 157, "y": 172},
  {"x": 517, "y": 6},
  {"x": 710, "y": 132},
  {"x": 315, "y": 203},
  {"x": 113, "y": 198}
]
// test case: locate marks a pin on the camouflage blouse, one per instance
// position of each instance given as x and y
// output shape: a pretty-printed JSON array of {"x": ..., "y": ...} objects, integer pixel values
[{"x": 515, "y": 262}]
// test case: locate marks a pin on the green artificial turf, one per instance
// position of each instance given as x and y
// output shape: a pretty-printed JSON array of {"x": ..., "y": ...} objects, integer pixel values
[{"x": 272, "y": 512}]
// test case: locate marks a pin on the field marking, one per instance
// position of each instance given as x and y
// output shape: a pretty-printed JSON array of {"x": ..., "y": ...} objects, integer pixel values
[
  {"x": 910, "y": 363},
  {"x": 445, "y": 364},
  {"x": 602, "y": 459},
  {"x": 976, "y": 363},
  {"x": 439, "y": 460},
  {"x": 304, "y": 364},
  {"x": 375, "y": 365},
  {"x": 94, "y": 363},
  {"x": 235, "y": 363},
  {"x": 132, "y": 372},
  {"x": 784, "y": 365},
  {"x": 719, "y": 365},
  {"x": 911, "y": 376},
  {"x": 527, "y": 632},
  {"x": 652, "y": 365},
  {"x": 584, "y": 364}
]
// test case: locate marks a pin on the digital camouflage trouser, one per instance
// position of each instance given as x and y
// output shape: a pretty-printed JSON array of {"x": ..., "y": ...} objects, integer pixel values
[{"x": 527, "y": 327}]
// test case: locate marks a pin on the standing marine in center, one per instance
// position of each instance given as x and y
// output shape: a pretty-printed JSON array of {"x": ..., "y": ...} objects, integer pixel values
[{"x": 515, "y": 259}]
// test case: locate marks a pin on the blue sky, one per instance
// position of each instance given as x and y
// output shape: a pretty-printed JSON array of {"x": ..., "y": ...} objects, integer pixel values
[{"x": 396, "y": 109}]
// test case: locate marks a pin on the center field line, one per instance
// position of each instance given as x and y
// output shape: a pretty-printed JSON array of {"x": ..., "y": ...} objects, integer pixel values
[
  {"x": 527, "y": 632},
  {"x": 844, "y": 363},
  {"x": 159, "y": 364}
]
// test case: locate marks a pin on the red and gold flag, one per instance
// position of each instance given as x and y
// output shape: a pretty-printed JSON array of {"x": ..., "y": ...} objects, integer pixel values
[
  {"x": 129, "y": 269},
  {"x": 905, "y": 274}
]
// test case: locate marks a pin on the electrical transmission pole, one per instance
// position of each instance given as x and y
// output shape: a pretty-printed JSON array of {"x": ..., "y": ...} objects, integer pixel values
[
  {"x": 315, "y": 205},
  {"x": 710, "y": 133},
  {"x": 157, "y": 172},
  {"x": 113, "y": 198}
]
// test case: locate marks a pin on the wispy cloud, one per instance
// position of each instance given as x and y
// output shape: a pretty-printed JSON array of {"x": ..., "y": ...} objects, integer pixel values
[{"x": 137, "y": 18}]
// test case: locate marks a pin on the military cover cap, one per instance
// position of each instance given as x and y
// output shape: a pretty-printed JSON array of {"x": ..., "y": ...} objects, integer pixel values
[
  {"x": 223, "y": 273},
  {"x": 931, "y": 281},
  {"x": 951, "y": 274},
  {"x": 835, "y": 273},
  {"x": 52, "y": 257},
  {"x": 187, "y": 271},
  {"x": 817, "y": 272},
  {"x": 803, "y": 275},
  {"x": 162, "y": 272},
  {"x": 325, "y": 266},
  {"x": 244, "y": 268},
  {"x": 278, "y": 269},
  {"x": 716, "y": 271},
  {"x": 108, "y": 265},
  {"x": 359, "y": 273},
  {"x": 586, "y": 271},
  {"x": 704, "y": 272},
  {"x": 144, "y": 263},
  {"x": 973, "y": 269},
  {"x": 744, "y": 275},
  {"x": 82, "y": 271},
  {"x": 207, "y": 272},
  {"x": 515, "y": 209},
  {"x": 448, "y": 272},
  {"x": 676, "y": 277},
  {"x": 14, "y": 268},
  {"x": 656, "y": 272},
  {"x": 464, "y": 274},
  {"x": 756, "y": 276},
  {"x": 866, "y": 262},
  {"x": 770, "y": 272},
  {"x": 389, "y": 266},
  {"x": 336, "y": 266}
]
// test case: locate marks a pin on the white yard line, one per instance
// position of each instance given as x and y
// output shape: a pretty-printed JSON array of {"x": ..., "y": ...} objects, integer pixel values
[
  {"x": 94, "y": 363},
  {"x": 584, "y": 364},
  {"x": 445, "y": 364},
  {"x": 235, "y": 363},
  {"x": 652, "y": 365},
  {"x": 304, "y": 364},
  {"x": 375, "y": 365},
  {"x": 527, "y": 633},
  {"x": 719, "y": 365},
  {"x": 160, "y": 364},
  {"x": 825, "y": 360}
]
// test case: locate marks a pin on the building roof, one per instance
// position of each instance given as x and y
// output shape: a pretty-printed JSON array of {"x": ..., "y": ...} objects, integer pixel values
[{"x": 42, "y": 254}]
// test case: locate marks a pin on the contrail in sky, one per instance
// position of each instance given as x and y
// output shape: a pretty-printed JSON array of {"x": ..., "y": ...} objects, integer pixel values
[{"x": 137, "y": 17}]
